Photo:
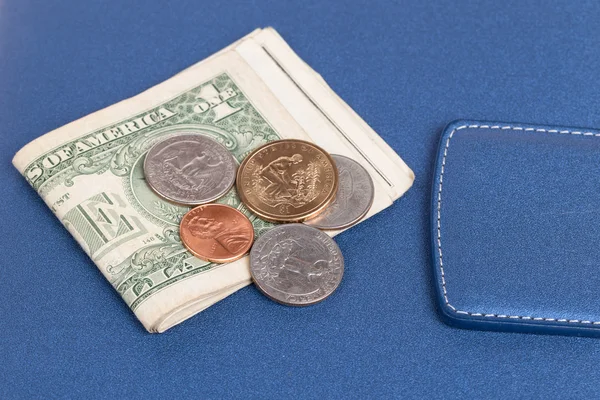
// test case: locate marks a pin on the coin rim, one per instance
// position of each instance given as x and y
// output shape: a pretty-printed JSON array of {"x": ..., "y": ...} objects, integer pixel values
[
  {"x": 275, "y": 217},
  {"x": 217, "y": 260},
  {"x": 257, "y": 283},
  {"x": 195, "y": 203},
  {"x": 354, "y": 221}
]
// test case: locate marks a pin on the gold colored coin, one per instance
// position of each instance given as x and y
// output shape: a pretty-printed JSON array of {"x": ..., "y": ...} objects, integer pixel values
[{"x": 287, "y": 180}]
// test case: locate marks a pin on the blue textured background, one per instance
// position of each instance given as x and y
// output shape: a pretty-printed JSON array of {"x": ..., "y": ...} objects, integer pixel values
[{"x": 408, "y": 68}]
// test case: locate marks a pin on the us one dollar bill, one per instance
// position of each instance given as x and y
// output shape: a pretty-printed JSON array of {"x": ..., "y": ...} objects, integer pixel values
[{"x": 90, "y": 173}]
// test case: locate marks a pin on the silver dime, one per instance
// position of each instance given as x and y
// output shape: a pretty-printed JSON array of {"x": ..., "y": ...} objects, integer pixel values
[
  {"x": 353, "y": 199},
  {"x": 190, "y": 169},
  {"x": 296, "y": 265}
]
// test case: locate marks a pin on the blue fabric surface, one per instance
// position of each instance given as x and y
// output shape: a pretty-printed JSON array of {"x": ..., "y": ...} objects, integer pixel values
[
  {"x": 408, "y": 68},
  {"x": 515, "y": 224}
]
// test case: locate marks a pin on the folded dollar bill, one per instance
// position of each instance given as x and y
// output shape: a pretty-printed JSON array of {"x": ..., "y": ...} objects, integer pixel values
[{"x": 90, "y": 174}]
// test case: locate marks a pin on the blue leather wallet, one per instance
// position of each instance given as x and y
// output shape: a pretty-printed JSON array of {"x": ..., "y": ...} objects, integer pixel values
[{"x": 515, "y": 226}]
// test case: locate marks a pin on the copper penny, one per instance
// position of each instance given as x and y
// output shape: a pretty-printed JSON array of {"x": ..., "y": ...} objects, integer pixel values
[
  {"x": 216, "y": 233},
  {"x": 287, "y": 180}
]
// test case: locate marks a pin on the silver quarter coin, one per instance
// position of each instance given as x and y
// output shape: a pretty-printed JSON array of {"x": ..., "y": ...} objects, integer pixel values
[
  {"x": 353, "y": 199},
  {"x": 296, "y": 265},
  {"x": 190, "y": 169}
]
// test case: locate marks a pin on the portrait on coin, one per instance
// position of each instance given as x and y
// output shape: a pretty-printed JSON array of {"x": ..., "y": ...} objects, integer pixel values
[{"x": 232, "y": 237}]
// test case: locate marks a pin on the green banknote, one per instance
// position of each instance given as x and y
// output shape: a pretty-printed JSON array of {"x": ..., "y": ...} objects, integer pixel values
[
  {"x": 90, "y": 173},
  {"x": 124, "y": 208}
]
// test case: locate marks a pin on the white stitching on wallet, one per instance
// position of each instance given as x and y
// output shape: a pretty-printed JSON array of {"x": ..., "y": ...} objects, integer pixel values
[{"x": 439, "y": 222}]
